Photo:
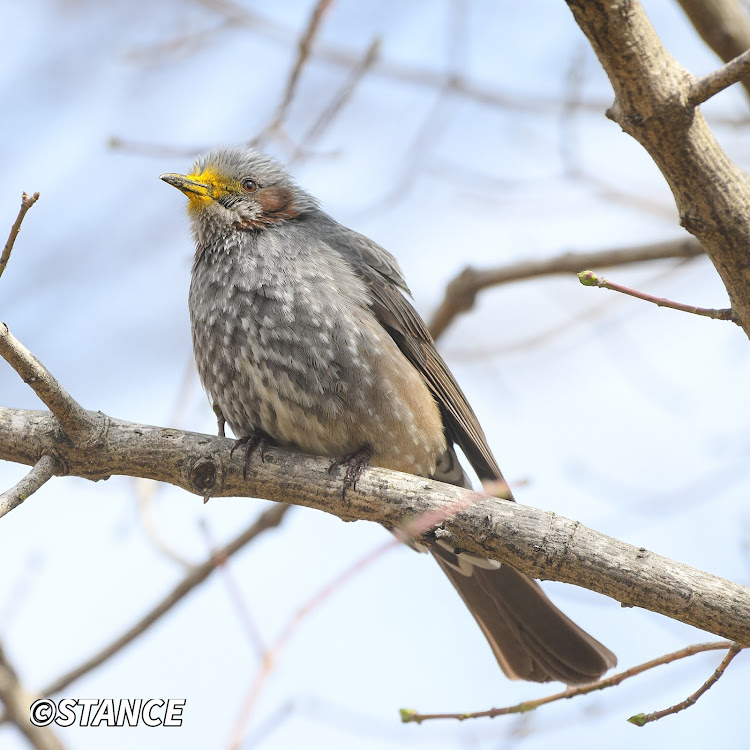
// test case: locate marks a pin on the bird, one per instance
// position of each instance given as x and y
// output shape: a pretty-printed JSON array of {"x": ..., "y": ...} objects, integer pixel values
[{"x": 305, "y": 338}]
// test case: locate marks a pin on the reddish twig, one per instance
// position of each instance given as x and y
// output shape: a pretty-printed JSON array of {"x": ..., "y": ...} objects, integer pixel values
[
  {"x": 641, "y": 720},
  {"x": 235, "y": 593},
  {"x": 589, "y": 278},
  {"x": 409, "y": 715},
  {"x": 26, "y": 203},
  {"x": 272, "y": 655}
]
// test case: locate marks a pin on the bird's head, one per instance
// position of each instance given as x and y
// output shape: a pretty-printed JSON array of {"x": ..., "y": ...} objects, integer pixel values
[{"x": 240, "y": 188}]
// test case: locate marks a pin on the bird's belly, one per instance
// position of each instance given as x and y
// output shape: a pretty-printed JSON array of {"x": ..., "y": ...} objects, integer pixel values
[{"x": 321, "y": 385}]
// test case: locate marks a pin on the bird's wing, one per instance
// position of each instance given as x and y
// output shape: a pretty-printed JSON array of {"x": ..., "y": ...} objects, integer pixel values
[
  {"x": 355, "y": 246},
  {"x": 380, "y": 271}
]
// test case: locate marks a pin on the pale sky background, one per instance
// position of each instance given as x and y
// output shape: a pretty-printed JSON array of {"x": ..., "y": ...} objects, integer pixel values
[{"x": 629, "y": 418}]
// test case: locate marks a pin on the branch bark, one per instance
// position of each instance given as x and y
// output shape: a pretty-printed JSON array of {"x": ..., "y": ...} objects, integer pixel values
[
  {"x": 75, "y": 421},
  {"x": 652, "y": 93},
  {"x": 539, "y": 543},
  {"x": 43, "y": 470},
  {"x": 723, "y": 25}
]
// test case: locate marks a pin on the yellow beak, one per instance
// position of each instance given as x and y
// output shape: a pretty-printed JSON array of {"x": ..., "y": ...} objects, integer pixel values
[{"x": 188, "y": 185}]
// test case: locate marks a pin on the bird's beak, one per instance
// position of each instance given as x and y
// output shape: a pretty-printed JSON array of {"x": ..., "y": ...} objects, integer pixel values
[{"x": 190, "y": 186}]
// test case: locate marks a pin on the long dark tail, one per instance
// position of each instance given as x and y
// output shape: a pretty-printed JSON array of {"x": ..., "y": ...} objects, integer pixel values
[{"x": 530, "y": 637}]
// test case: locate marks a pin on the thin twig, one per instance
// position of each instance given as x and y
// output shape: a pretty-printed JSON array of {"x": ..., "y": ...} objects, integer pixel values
[
  {"x": 17, "y": 703},
  {"x": 641, "y": 720},
  {"x": 74, "y": 420},
  {"x": 44, "y": 469},
  {"x": 236, "y": 16},
  {"x": 409, "y": 715},
  {"x": 303, "y": 55},
  {"x": 268, "y": 519},
  {"x": 272, "y": 655},
  {"x": 709, "y": 85},
  {"x": 327, "y": 116},
  {"x": 460, "y": 294},
  {"x": 235, "y": 594},
  {"x": 724, "y": 26},
  {"x": 589, "y": 278},
  {"x": 26, "y": 203}
]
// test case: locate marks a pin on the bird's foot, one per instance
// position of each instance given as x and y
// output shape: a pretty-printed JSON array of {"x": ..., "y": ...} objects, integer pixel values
[
  {"x": 256, "y": 440},
  {"x": 355, "y": 464}
]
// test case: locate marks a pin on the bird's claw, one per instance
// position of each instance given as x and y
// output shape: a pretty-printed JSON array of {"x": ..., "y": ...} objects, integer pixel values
[
  {"x": 355, "y": 464},
  {"x": 254, "y": 441}
]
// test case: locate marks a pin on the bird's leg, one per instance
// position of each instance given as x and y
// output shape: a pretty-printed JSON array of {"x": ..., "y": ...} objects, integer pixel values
[
  {"x": 355, "y": 463},
  {"x": 220, "y": 421},
  {"x": 256, "y": 440}
]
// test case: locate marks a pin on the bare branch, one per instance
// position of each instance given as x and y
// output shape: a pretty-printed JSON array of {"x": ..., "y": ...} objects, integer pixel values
[
  {"x": 236, "y": 597},
  {"x": 26, "y": 203},
  {"x": 342, "y": 97},
  {"x": 272, "y": 655},
  {"x": 74, "y": 420},
  {"x": 408, "y": 715},
  {"x": 44, "y": 469},
  {"x": 541, "y": 544},
  {"x": 724, "y": 26},
  {"x": 641, "y": 720},
  {"x": 303, "y": 54},
  {"x": 651, "y": 88},
  {"x": 589, "y": 278},
  {"x": 235, "y": 16},
  {"x": 268, "y": 519},
  {"x": 709, "y": 85},
  {"x": 460, "y": 294},
  {"x": 17, "y": 704}
]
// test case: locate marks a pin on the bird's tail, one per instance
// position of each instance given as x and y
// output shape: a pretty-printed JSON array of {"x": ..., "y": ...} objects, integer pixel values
[{"x": 530, "y": 637}]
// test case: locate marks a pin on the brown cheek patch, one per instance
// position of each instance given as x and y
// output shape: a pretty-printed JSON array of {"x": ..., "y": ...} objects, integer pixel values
[{"x": 277, "y": 203}]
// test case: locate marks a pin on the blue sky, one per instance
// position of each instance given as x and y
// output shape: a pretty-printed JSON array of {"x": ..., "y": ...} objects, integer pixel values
[{"x": 628, "y": 418}]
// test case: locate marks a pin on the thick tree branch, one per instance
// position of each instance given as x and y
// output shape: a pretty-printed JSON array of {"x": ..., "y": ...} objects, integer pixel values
[
  {"x": 652, "y": 104},
  {"x": 539, "y": 543},
  {"x": 460, "y": 294}
]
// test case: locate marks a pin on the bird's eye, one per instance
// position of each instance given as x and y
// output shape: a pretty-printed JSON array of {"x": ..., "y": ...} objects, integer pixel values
[{"x": 249, "y": 186}]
